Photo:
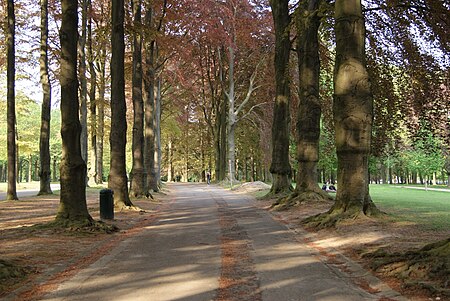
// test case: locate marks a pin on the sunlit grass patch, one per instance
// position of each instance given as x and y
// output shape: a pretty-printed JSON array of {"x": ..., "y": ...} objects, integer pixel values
[{"x": 428, "y": 208}]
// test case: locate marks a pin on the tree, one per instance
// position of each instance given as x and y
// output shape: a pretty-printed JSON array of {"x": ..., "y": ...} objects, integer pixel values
[
  {"x": 280, "y": 167},
  {"x": 11, "y": 193},
  {"x": 72, "y": 206},
  {"x": 83, "y": 80},
  {"x": 149, "y": 98},
  {"x": 138, "y": 174},
  {"x": 234, "y": 113},
  {"x": 101, "y": 66},
  {"x": 118, "y": 176},
  {"x": 153, "y": 27},
  {"x": 309, "y": 106},
  {"x": 92, "y": 167},
  {"x": 44, "y": 141},
  {"x": 353, "y": 114},
  {"x": 353, "y": 111}
]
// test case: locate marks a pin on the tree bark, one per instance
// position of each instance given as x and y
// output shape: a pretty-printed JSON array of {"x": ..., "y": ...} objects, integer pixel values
[
  {"x": 118, "y": 181},
  {"x": 101, "y": 115},
  {"x": 72, "y": 206},
  {"x": 92, "y": 167},
  {"x": 149, "y": 133},
  {"x": 11, "y": 193},
  {"x": 280, "y": 167},
  {"x": 157, "y": 122},
  {"x": 138, "y": 175},
  {"x": 353, "y": 111},
  {"x": 149, "y": 102},
  {"x": 231, "y": 122},
  {"x": 44, "y": 139},
  {"x": 83, "y": 82},
  {"x": 169, "y": 161},
  {"x": 309, "y": 108}
]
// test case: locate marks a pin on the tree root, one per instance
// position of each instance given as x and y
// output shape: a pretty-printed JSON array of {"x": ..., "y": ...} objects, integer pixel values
[
  {"x": 279, "y": 194},
  {"x": 78, "y": 226},
  {"x": 330, "y": 218},
  {"x": 296, "y": 198},
  {"x": 427, "y": 268}
]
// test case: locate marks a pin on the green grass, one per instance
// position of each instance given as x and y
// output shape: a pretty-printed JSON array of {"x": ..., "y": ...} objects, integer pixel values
[{"x": 428, "y": 208}]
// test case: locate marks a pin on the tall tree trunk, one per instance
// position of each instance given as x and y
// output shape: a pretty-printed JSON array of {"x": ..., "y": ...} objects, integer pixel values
[
  {"x": 30, "y": 168},
  {"x": 44, "y": 138},
  {"x": 234, "y": 113},
  {"x": 83, "y": 81},
  {"x": 101, "y": 114},
  {"x": 138, "y": 175},
  {"x": 72, "y": 206},
  {"x": 11, "y": 193},
  {"x": 220, "y": 128},
  {"x": 353, "y": 111},
  {"x": 309, "y": 108},
  {"x": 149, "y": 103},
  {"x": 92, "y": 166},
  {"x": 54, "y": 169},
  {"x": 280, "y": 167},
  {"x": 223, "y": 141},
  {"x": 117, "y": 180},
  {"x": 157, "y": 122},
  {"x": 231, "y": 122},
  {"x": 169, "y": 161}
]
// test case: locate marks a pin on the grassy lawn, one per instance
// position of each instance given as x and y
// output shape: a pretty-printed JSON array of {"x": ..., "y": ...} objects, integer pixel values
[{"x": 428, "y": 208}]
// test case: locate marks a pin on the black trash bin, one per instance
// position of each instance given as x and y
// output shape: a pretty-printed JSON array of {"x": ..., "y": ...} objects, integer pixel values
[{"x": 106, "y": 204}]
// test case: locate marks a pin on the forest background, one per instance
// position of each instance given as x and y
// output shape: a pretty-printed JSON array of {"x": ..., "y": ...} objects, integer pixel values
[{"x": 194, "y": 74}]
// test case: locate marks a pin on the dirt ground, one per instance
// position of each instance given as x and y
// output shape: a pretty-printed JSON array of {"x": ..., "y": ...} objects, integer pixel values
[{"x": 41, "y": 258}]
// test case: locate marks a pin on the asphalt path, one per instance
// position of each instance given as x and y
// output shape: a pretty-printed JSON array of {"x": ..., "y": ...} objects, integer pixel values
[
  {"x": 212, "y": 244},
  {"x": 28, "y": 192}
]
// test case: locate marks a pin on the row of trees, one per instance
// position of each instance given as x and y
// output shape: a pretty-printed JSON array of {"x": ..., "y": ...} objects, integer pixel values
[{"x": 211, "y": 63}]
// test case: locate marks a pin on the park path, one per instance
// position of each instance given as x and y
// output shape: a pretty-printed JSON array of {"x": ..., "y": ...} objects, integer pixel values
[{"x": 211, "y": 244}]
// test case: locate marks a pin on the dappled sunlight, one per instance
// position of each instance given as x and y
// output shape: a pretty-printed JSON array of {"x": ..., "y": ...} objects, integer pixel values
[
  {"x": 284, "y": 263},
  {"x": 340, "y": 242}
]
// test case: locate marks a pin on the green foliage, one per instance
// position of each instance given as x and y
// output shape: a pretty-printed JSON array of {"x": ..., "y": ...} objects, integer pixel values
[{"x": 28, "y": 114}]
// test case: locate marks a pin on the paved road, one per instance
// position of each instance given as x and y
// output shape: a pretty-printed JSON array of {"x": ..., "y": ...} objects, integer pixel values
[
  {"x": 423, "y": 188},
  {"x": 27, "y": 192},
  {"x": 210, "y": 244}
]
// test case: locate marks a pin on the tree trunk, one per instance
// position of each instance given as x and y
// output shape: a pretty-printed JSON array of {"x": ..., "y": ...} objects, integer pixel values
[
  {"x": 231, "y": 122},
  {"x": 83, "y": 82},
  {"x": 149, "y": 102},
  {"x": 30, "y": 168},
  {"x": 309, "y": 108},
  {"x": 101, "y": 115},
  {"x": 157, "y": 122},
  {"x": 169, "y": 161},
  {"x": 117, "y": 180},
  {"x": 353, "y": 111},
  {"x": 11, "y": 193},
  {"x": 280, "y": 167},
  {"x": 138, "y": 175},
  {"x": 220, "y": 138},
  {"x": 54, "y": 170},
  {"x": 72, "y": 206},
  {"x": 92, "y": 167},
  {"x": 447, "y": 169},
  {"x": 44, "y": 138}
]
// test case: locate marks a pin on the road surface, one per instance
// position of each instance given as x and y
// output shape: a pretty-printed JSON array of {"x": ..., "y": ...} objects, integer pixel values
[{"x": 212, "y": 244}]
